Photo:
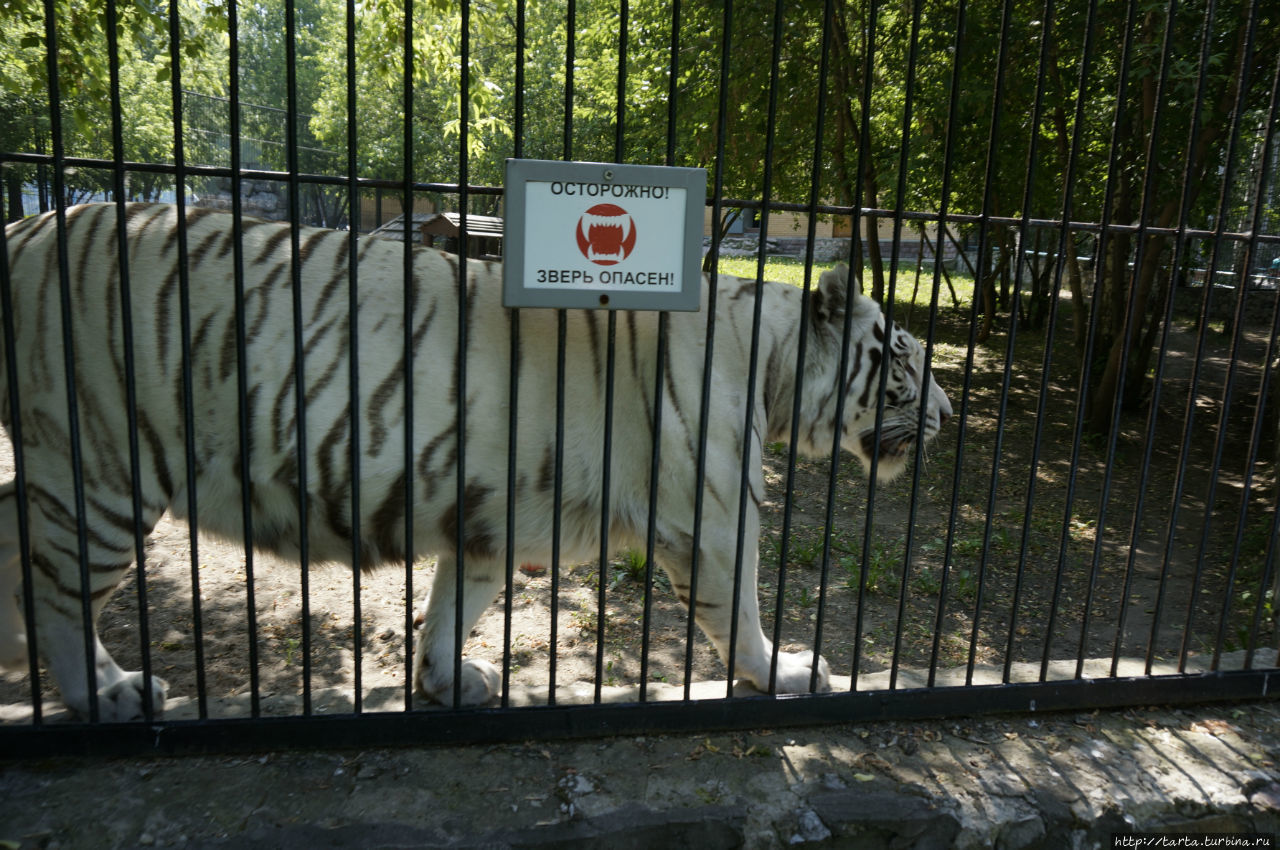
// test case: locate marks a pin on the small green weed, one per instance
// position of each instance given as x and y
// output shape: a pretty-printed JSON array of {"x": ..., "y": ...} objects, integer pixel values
[
  {"x": 632, "y": 564},
  {"x": 926, "y": 582},
  {"x": 882, "y": 569},
  {"x": 964, "y": 584}
]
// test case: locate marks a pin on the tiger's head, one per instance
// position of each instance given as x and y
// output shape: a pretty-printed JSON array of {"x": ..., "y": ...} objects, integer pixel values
[{"x": 904, "y": 388}]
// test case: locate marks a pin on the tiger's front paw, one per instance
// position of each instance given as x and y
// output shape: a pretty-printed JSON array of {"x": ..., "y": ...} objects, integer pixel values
[
  {"x": 122, "y": 700},
  {"x": 480, "y": 682},
  {"x": 795, "y": 672}
]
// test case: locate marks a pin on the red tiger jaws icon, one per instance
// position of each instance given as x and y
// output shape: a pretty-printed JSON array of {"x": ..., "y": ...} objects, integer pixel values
[{"x": 606, "y": 234}]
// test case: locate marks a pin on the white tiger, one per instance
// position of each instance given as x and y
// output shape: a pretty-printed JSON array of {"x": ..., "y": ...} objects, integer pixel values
[{"x": 274, "y": 495}]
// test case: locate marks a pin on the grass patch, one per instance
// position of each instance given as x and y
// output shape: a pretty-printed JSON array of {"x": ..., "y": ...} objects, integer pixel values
[
  {"x": 781, "y": 269},
  {"x": 791, "y": 271}
]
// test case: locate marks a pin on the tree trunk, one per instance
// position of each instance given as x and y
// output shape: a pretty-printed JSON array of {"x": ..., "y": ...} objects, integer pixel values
[
  {"x": 846, "y": 78},
  {"x": 1140, "y": 360},
  {"x": 870, "y": 198},
  {"x": 726, "y": 221},
  {"x": 915, "y": 287},
  {"x": 987, "y": 289},
  {"x": 946, "y": 274},
  {"x": 1079, "y": 308},
  {"x": 973, "y": 273},
  {"x": 1075, "y": 279},
  {"x": 1111, "y": 304},
  {"x": 13, "y": 196},
  {"x": 1101, "y": 399}
]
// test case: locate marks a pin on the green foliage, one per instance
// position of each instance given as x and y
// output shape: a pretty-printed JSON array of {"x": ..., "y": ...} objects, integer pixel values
[
  {"x": 1001, "y": 72},
  {"x": 145, "y": 72}
]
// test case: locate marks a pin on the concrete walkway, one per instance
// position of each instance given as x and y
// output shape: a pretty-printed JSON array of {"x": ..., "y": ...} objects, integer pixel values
[{"x": 1051, "y": 781}]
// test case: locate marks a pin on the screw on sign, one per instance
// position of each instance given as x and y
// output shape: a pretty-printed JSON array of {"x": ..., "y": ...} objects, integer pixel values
[{"x": 606, "y": 234}]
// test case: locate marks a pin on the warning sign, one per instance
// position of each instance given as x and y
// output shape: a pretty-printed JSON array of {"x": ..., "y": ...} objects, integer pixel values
[{"x": 600, "y": 235}]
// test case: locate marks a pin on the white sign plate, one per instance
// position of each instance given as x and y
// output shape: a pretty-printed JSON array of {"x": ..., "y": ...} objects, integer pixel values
[{"x": 598, "y": 235}]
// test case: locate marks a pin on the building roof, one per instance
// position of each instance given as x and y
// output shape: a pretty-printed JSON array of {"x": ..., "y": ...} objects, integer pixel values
[
  {"x": 449, "y": 224},
  {"x": 441, "y": 224}
]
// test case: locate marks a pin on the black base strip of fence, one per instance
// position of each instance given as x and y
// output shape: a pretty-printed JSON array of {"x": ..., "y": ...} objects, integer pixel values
[{"x": 445, "y": 727}]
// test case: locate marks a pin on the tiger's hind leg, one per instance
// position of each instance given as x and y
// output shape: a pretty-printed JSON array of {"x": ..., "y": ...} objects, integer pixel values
[
  {"x": 714, "y": 608},
  {"x": 60, "y": 622},
  {"x": 434, "y": 664},
  {"x": 13, "y": 629}
]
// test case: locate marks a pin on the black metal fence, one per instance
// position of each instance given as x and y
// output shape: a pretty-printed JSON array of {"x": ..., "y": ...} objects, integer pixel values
[{"x": 1095, "y": 526}]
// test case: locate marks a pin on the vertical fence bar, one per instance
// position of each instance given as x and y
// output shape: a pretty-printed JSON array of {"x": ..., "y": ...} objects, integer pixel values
[
  {"x": 766, "y": 196},
  {"x": 997, "y": 103},
  {"x": 890, "y": 299},
  {"x": 620, "y": 126},
  {"x": 513, "y": 381},
  {"x": 606, "y": 481},
  {"x": 513, "y": 442},
  {"x": 131, "y": 395},
  {"x": 611, "y": 344},
  {"x": 717, "y": 205},
  {"x": 409, "y": 293},
  {"x": 299, "y": 344},
  {"x": 353, "y": 359},
  {"x": 21, "y": 507},
  {"x": 659, "y": 379},
  {"x": 749, "y": 436},
  {"x": 944, "y": 206},
  {"x": 882, "y": 358},
  {"x": 927, "y": 374},
  {"x": 242, "y": 359},
  {"x": 184, "y": 289},
  {"x": 464, "y": 296},
  {"x": 864, "y": 145},
  {"x": 557, "y": 487},
  {"x": 851, "y": 289},
  {"x": 655, "y": 470},
  {"x": 68, "y": 351}
]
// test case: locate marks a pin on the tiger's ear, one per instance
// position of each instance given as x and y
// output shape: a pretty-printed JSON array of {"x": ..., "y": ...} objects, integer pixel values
[{"x": 829, "y": 298}]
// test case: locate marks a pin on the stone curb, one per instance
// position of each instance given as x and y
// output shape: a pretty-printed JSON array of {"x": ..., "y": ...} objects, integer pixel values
[{"x": 708, "y": 828}]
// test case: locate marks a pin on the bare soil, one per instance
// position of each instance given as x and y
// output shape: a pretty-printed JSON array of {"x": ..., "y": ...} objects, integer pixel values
[{"x": 1048, "y": 557}]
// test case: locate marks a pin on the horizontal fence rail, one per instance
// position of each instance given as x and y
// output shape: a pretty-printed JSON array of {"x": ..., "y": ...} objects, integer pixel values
[{"x": 311, "y": 446}]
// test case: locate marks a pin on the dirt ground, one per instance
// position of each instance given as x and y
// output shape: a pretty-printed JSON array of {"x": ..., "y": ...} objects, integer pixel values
[{"x": 1048, "y": 559}]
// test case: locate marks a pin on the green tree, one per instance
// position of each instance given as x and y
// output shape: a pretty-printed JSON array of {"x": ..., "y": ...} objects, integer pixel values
[
  {"x": 1153, "y": 122},
  {"x": 436, "y": 90},
  {"x": 84, "y": 84}
]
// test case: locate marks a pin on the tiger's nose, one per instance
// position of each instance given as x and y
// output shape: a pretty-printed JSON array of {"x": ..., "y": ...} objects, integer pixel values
[{"x": 944, "y": 408}]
